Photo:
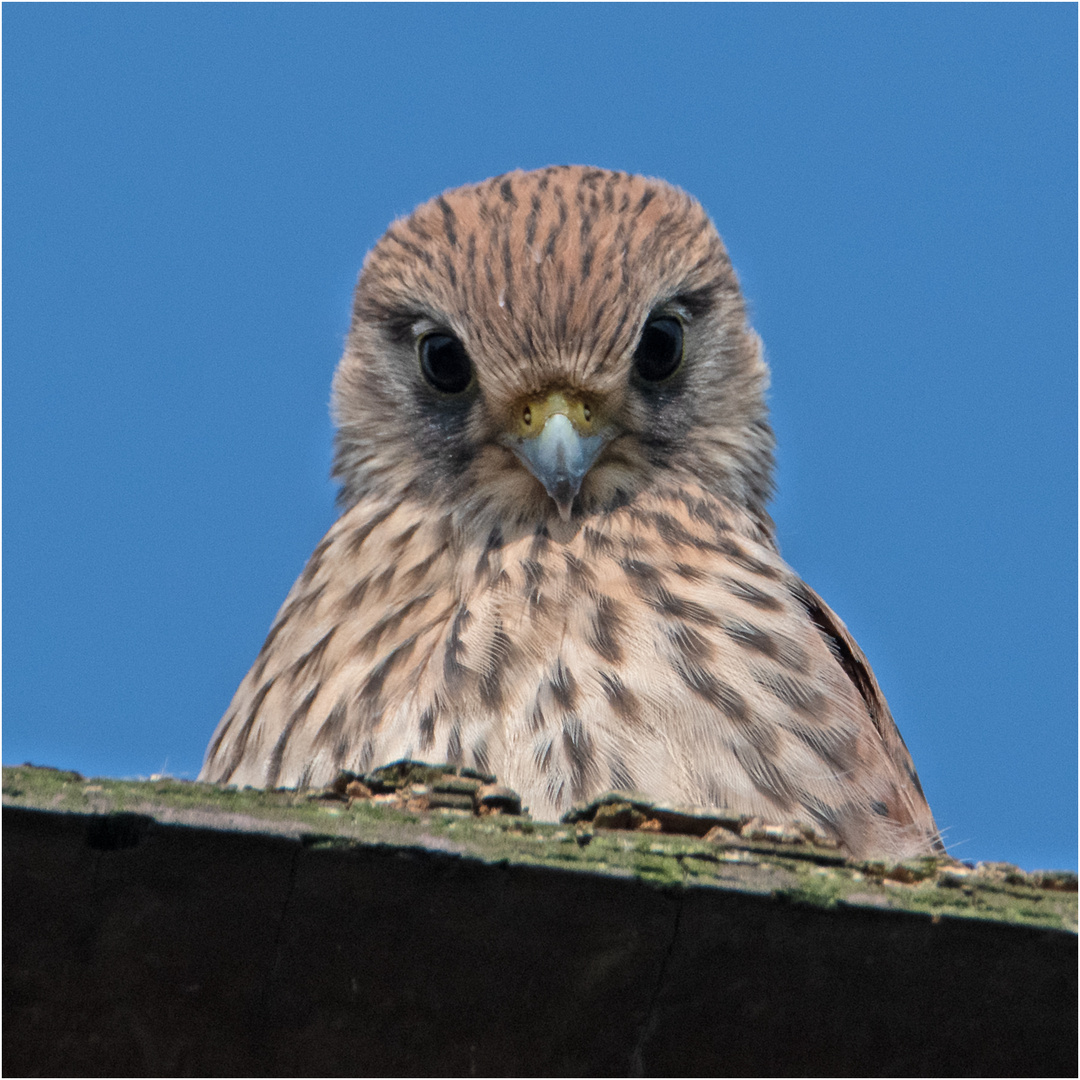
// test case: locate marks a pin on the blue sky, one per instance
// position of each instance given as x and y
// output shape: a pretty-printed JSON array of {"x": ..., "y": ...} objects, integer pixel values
[{"x": 189, "y": 191}]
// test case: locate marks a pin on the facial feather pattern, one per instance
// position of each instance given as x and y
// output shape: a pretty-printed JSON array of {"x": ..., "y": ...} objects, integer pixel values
[{"x": 554, "y": 560}]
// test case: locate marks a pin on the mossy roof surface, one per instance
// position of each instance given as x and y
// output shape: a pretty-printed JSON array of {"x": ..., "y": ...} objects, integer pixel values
[{"x": 934, "y": 887}]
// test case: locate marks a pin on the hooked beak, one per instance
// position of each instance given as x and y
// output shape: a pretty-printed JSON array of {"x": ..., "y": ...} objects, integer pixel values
[{"x": 557, "y": 441}]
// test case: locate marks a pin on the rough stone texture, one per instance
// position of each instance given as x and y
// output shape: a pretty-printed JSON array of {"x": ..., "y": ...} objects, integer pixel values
[{"x": 165, "y": 928}]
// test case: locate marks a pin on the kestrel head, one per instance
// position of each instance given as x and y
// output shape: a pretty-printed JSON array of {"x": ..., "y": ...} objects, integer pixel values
[{"x": 545, "y": 345}]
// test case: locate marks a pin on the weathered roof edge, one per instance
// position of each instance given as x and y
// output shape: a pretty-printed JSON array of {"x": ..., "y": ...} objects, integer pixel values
[{"x": 938, "y": 888}]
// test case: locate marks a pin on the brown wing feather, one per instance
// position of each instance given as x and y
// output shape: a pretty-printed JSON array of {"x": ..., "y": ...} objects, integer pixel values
[{"x": 858, "y": 670}]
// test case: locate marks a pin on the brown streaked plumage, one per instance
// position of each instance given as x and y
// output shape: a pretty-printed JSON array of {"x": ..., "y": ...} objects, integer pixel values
[{"x": 554, "y": 560}]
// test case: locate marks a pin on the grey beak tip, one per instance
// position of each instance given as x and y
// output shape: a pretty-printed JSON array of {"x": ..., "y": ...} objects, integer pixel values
[{"x": 559, "y": 458}]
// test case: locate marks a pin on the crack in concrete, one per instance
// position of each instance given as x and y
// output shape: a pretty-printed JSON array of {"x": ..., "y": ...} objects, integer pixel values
[
  {"x": 279, "y": 932},
  {"x": 637, "y": 1059}
]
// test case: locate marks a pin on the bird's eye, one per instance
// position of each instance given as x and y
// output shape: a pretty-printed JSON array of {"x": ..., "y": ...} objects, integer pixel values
[
  {"x": 445, "y": 363},
  {"x": 659, "y": 352}
]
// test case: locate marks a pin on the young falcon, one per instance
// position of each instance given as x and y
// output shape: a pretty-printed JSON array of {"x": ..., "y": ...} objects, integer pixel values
[{"x": 553, "y": 561}]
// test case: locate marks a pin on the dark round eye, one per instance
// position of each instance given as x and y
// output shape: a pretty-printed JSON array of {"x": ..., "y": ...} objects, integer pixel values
[
  {"x": 659, "y": 352},
  {"x": 445, "y": 363}
]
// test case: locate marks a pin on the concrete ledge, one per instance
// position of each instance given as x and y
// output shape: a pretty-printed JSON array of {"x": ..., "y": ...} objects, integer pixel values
[{"x": 166, "y": 928}]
